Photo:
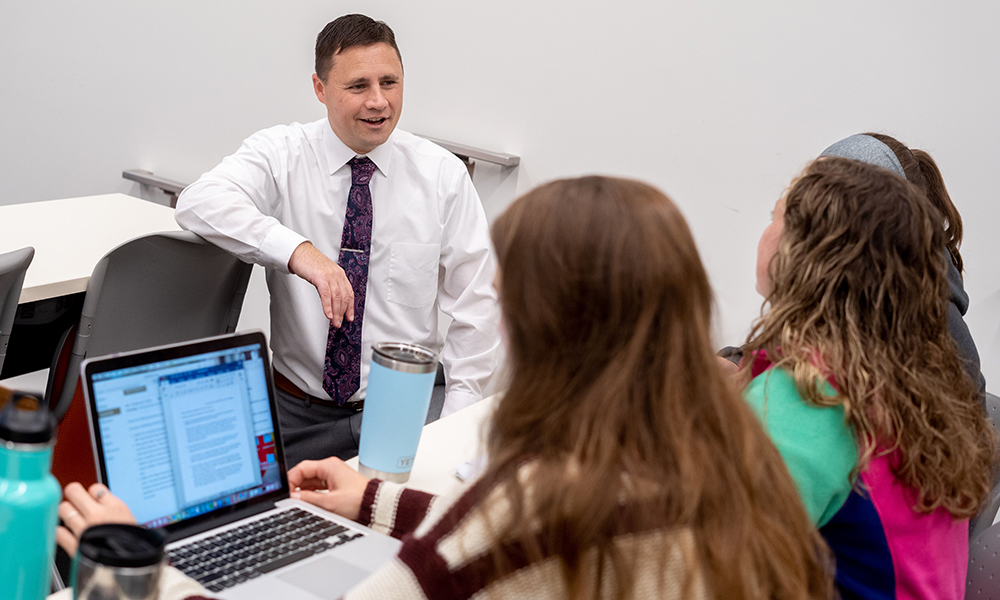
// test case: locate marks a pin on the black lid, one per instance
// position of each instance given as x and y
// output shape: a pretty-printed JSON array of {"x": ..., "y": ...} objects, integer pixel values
[
  {"x": 118, "y": 545},
  {"x": 24, "y": 420}
]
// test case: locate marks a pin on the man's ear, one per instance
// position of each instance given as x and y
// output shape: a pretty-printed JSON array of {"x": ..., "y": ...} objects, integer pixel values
[{"x": 320, "y": 88}]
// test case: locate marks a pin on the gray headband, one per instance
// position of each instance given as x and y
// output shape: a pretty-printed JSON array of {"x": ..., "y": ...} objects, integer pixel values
[{"x": 866, "y": 149}]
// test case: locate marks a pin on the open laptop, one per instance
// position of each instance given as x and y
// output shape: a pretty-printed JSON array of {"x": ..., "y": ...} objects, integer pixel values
[{"x": 187, "y": 435}]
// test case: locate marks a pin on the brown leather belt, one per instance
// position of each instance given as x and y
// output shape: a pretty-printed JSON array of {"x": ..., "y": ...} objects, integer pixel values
[{"x": 285, "y": 385}]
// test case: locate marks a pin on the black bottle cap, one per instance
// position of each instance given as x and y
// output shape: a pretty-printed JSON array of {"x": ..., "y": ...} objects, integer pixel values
[
  {"x": 24, "y": 420},
  {"x": 117, "y": 545}
]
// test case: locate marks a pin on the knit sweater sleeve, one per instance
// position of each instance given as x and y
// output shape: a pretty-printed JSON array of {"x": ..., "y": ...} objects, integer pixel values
[
  {"x": 394, "y": 581},
  {"x": 427, "y": 560},
  {"x": 392, "y": 509},
  {"x": 419, "y": 571}
]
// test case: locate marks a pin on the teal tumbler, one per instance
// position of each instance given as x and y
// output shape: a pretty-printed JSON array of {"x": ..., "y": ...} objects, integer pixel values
[{"x": 29, "y": 499}]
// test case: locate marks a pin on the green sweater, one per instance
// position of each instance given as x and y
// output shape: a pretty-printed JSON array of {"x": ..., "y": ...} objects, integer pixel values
[{"x": 816, "y": 442}]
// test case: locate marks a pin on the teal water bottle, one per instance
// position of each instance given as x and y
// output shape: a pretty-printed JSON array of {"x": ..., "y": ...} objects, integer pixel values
[{"x": 29, "y": 499}]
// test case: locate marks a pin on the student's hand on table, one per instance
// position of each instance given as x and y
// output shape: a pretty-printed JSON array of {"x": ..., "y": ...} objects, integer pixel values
[
  {"x": 82, "y": 508},
  {"x": 345, "y": 487},
  {"x": 328, "y": 278}
]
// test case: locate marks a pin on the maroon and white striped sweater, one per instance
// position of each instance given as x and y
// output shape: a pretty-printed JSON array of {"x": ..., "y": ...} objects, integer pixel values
[{"x": 446, "y": 552}]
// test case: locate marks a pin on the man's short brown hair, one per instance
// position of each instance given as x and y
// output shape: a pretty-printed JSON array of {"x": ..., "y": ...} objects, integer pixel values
[{"x": 348, "y": 31}]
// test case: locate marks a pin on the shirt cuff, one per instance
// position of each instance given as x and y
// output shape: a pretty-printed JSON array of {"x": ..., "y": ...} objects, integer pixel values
[
  {"x": 457, "y": 400},
  {"x": 277, "y": 247}
]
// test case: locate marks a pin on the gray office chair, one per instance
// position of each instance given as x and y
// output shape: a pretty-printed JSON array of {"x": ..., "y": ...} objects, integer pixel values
[
  {"x": 984, "y": 519},
  {"x": 993, "y": 409},
  {"x": 13, "y": 266},
  {"x": 983, "y": 579},
  {"x": 987, "y": 514},
  {"x": 157, "y": 289}
]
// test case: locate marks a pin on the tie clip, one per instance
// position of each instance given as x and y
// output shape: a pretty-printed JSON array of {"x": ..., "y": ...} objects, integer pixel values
[{"x": 352, "y": 250}]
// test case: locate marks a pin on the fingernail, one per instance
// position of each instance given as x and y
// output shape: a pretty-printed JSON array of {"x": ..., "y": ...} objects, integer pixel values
[{"x": 295, "y": 496}]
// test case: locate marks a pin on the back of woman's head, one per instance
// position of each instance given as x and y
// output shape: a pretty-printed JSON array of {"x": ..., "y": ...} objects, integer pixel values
[
  {"x": 614, "y": 388},
  {"x": 917, "y": 167},
  {"x": 858, "y": 294},
  {"x": 599, "y": 276}
]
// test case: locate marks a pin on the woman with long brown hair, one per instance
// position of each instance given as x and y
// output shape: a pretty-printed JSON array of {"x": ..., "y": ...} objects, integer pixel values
[
  {"x": 621, "y": 464},
  {"x": 859, "y": 383}
]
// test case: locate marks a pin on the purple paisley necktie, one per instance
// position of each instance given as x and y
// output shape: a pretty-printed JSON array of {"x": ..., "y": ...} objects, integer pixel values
[{"x": 342, "y": 368}]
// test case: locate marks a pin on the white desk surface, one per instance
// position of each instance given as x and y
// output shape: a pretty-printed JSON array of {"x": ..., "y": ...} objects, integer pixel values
[
  {"x": 70, "y": 236},
  {"x": 446, "y": 443}
]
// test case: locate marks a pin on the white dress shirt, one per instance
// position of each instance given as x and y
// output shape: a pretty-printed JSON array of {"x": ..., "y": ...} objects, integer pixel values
[{"x": 430, "y": 247}]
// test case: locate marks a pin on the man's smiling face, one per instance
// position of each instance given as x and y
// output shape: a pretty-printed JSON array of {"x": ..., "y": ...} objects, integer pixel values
[{"x": 363, "y": 94}]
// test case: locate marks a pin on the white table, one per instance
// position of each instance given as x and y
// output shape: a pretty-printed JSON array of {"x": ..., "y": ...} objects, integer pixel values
[
  {"x": 446, "y": 443},
  {"x": 71, "y": 235}
]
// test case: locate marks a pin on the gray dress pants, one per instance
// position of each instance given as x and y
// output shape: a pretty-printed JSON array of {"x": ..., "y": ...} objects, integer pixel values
[{"x": 311, "y": 431}]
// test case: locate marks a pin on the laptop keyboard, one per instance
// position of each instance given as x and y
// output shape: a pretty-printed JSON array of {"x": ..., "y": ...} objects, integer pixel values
[{"x": 243, "y": 553}]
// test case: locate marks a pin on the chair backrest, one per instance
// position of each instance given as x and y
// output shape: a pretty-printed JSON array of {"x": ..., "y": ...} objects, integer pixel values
[
  {"x": 984, "y": 519},
  {"x": 984, "y": 566},
  {"x": 987, "y": 514},
  {"x": 993, "y": 409},
  {"x": 13, "y": 266},
  {"x": 157, "y": 289}
]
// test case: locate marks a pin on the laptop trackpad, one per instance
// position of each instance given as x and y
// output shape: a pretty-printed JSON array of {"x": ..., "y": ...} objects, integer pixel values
[{"x": 326, "y": 578}]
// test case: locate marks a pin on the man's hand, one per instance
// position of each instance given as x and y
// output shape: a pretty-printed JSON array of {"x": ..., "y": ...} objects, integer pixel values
[
  {"x": 83, "y": 508},
  {"x": 345, "y": 487},
  {"x": 329, "y": 279}
]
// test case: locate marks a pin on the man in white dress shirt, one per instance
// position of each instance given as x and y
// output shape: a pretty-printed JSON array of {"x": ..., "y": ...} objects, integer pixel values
[{"x": 280, "y": 201}]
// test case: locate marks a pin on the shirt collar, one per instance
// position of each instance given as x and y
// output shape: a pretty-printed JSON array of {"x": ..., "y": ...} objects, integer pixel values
[{"x": 337, "y": 154}]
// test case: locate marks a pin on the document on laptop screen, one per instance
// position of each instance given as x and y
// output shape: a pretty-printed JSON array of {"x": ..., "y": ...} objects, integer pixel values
[
  {"x": 208, "y": 418},
  {"x": 185, "y": 437}
]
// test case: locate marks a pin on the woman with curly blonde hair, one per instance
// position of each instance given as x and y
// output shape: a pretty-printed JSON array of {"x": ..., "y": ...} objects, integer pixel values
[{"x": 858, "y": 382}]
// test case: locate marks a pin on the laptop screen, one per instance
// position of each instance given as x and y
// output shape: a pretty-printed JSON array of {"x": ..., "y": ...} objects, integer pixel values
[{"x": 183, "y": 434}]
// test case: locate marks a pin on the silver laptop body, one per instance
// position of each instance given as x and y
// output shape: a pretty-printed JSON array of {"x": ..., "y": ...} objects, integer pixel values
[{"x": 187, "y": 435}]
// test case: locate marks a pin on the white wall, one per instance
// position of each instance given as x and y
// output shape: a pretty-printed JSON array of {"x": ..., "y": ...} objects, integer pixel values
[{"x": 718, "y": 103}]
